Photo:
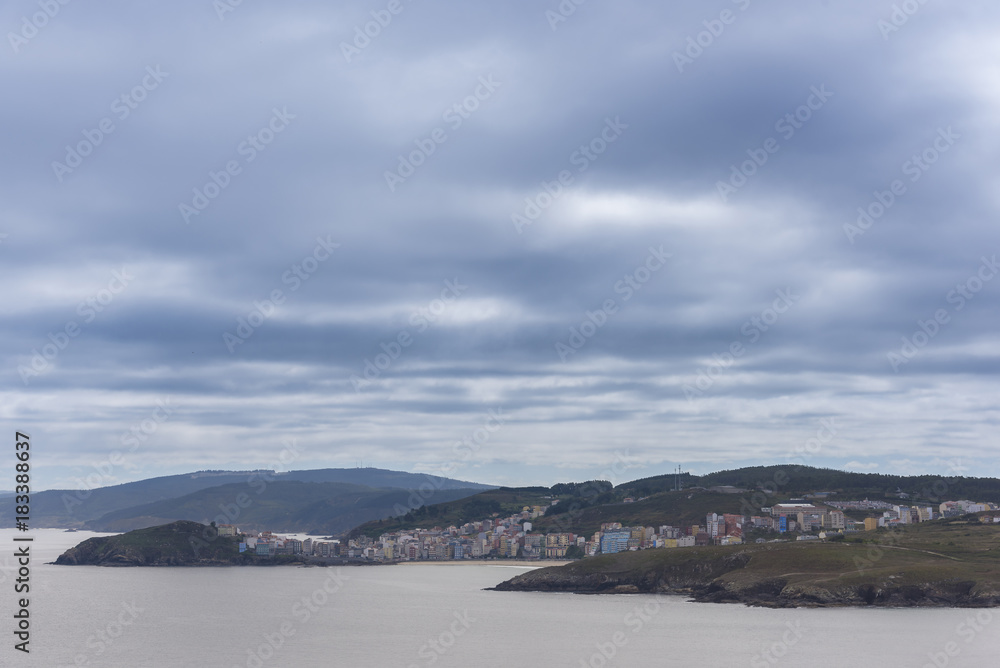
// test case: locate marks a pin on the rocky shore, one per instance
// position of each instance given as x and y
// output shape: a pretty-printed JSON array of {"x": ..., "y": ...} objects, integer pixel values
[{"x": 747, "y": 577}]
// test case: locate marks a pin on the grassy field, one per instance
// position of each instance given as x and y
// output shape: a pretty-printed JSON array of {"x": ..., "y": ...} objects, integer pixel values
[
  {"x": 683, "y": 508},
  {"x": 579, "y": 517},
  {"x": 929, "y": 563}
]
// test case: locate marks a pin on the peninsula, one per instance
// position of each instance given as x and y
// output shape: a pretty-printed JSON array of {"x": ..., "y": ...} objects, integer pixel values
[
  {"x": 179, "y": 543},
  {"x": 945, "y": 563}
]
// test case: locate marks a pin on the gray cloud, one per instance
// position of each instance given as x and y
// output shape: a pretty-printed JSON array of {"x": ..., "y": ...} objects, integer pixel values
[{"x": 857, "y": 294}]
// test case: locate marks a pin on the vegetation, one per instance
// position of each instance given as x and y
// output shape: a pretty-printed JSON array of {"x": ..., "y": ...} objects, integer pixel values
[
  {"x": 583, "y": 507},
  {"x": 502, "y": 501},
  {"x": 792, "y": 480},
  {"x": 675, "y": 508},
  {"x": 174, "y": 544},
  {"x": 933, "y": 563}
]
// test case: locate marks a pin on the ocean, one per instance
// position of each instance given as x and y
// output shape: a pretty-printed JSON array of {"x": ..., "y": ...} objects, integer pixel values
[{"x": 412, "y": 616}]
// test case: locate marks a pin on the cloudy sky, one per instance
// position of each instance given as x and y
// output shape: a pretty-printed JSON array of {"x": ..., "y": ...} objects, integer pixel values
[{"x": 516, "y": 242}]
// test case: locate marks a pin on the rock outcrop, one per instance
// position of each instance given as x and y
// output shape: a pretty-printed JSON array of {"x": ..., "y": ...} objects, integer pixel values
[{"x": 744, "y": 577}]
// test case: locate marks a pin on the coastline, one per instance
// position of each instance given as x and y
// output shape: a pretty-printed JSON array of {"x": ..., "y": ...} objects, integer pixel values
[
  {"x": 514, "y": 563},
  {"x": 792, "y": 575}
]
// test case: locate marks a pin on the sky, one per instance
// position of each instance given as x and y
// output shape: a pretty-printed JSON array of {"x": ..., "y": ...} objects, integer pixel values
[{"x": 519, "y": 242}]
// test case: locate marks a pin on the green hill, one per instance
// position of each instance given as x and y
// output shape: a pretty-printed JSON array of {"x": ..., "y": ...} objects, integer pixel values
[
  {"x": 583, "y": 507},
  {"x": 940, "y": 563},
  {"x": 793, "y": 480},
  {"x": 674, "y": 508},
  {"x": 503, "y": 502},
  {"x": 174, "y": 544}
]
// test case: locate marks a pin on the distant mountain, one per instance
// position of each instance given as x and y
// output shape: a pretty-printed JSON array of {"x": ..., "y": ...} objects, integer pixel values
[
  {"x": 283, "y": 506},
  {"x": 381, "y": 478},
  {"x": 72, "y": 508}
]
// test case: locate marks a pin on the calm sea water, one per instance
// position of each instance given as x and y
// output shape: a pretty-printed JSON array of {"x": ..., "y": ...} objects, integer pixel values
[{"x": 437, "y": 615}]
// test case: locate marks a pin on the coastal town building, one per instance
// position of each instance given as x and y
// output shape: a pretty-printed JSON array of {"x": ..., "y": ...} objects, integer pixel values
[{"x": 513, "y": 537}]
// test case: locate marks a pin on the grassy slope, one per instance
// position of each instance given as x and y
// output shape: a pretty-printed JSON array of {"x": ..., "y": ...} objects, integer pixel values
[
  {"x": 503, "y": 502},
  {"x": 799, "y": 480},
  {"x": 168, "y": 542},
  {"x": 690, "y": 506},
  {"x": 674, "y": 508},
  {"x": 951, "y": 554}
]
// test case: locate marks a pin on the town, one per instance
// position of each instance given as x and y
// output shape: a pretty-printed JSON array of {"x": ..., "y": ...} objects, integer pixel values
[{"x": 512, "y": 537}]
